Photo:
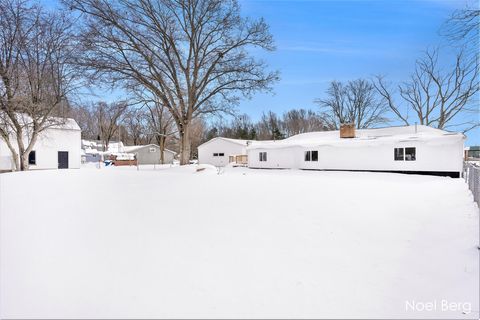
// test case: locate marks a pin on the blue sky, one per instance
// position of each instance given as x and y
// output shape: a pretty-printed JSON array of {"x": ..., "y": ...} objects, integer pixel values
[{"x": 323, "y": 40}]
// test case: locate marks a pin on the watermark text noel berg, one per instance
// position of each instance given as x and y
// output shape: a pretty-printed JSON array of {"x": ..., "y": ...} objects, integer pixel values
[{"x": 441, "y": 305}]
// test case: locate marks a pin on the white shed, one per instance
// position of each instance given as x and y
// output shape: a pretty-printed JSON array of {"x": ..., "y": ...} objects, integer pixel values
[
  {"x": 218, "y": 150},
  {"x": 408, "y": 149},
  {"x": 57, "y": 147}
]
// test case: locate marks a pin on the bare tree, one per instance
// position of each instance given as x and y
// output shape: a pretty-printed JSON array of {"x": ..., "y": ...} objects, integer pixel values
[
  {"x": 36, "y": 74},
  {"x": 463, "y": 27},
  {"x": 244, "y": 127},
  {"x": 198, "y": 135},
  {"x": 269, "y": 127},
  {"x": 297, "y": 121},
  {"x": 109, "y": 116},
  {"x": 387, "y": 93},
  {"x": 161, "y": 125},
  {"x": 85, "y": 117},
  {"x": 191, "y": 54},
  {"x": 159, "y": 122},
  {"x": 135, "y": 122},
  {"x": 356, "y": 102},
  {"x": 437, "y": 97},
  {"x": 240, "y": 127}
]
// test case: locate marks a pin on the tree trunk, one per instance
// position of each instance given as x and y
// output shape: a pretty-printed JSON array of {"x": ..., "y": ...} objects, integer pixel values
[
  {"x": 13, "y": 152},
  {"x": 21, "y": 150},
  {"x": 161, "y": 143},
  {"x": 24, "y": 161},
  {"x": 185, "y": 144},
  {"x": 15, "y": 160},
  {"x": 105, "y": 145},
  {"x": 25, "y": 152}
]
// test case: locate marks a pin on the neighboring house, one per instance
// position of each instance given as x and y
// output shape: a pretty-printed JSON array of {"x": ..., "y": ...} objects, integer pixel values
[
  {"x": 150, "y": 154},
  {"x": 472, "y": 153},
  {"x": 91, "y": 151},
  {"x": 92, "y": 145},
  {"x": 218, "y": 151},
  {"x": 115, "y": 147},
  {"x": 91, "y": 155},
  {"x": 58, "y": 146},
  {"x": 407, "y": 149}
]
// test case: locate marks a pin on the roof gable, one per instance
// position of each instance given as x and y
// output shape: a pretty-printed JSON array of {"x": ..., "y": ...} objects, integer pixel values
[
  {"x": 58, "y": 123},
  {"x": 135, "y": 148},
  {"x": 235, "y": 141}
]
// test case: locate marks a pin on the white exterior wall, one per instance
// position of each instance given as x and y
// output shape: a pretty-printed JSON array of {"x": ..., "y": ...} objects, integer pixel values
[
  {"x": 430, "y": 156},
  {"x": 46, "y": 149},
  {"x": 442, "y": 154},
  {"x": 218, "y": 145},
  {"x": 277, "y": 158}
]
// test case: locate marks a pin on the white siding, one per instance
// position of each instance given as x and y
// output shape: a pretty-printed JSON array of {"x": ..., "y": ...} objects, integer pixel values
[
  {"x": 219, "y": 145},
  {"x": 281, "y": 158},
  {"x": 442, "y": 154},
  {"x": 46, "y": 149},
  {"x": 429, "y": 157},
  {"x": 372, "y": 149}
]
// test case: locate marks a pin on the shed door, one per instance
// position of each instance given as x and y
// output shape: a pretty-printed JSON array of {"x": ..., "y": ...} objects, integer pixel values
[{"x": 62, "y": 159}]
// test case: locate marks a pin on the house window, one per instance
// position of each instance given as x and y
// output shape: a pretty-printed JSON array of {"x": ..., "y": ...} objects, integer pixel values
[
  {"x": 311, "y": 155},
  {"x": 221, "y": 154},
  {"x": 398, "y": 154},
  {"x": 32, "y": 158},
  {"x": 307, "y": 155},
  {"x": 263, "y": 156},
  {"x": 215, "y": 154},
  {"x": 410, "y": 154},
  {"x": 152, "y": 150},
  {"x": 405, "y": 154}
]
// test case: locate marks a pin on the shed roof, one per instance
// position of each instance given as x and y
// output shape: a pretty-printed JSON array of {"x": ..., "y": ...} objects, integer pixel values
[
  {"x": 66, "y": 124},
  {"x": 135, "y": 148},
  {"x": 51, "y": 122},
  {"x": 241, "y": 142}
]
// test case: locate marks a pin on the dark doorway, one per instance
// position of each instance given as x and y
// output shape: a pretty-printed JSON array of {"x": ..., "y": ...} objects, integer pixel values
[
  {"x": 32, "y": 158},
  {"x": 62, "y": 159}
]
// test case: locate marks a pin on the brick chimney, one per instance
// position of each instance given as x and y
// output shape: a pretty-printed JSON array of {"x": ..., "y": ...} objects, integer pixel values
[{"x": 347, "y": 130}]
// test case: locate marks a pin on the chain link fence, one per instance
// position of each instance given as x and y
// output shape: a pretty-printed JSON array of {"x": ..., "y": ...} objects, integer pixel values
[{"x": 472, "y": 178}]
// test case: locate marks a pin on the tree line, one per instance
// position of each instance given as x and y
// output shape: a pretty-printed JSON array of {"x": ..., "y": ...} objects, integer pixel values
[{"x": 181, "y": 64}]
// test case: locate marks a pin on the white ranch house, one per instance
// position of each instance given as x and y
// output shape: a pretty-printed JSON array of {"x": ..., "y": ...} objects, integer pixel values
[
  {"x": 407, "y": 149},
  {"x": 57, "y": 147}
]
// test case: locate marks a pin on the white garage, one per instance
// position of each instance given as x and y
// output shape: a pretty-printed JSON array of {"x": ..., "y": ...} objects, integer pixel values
[
  {"x": 218, "y": 150},
  {"x": 57, "y": 147}
]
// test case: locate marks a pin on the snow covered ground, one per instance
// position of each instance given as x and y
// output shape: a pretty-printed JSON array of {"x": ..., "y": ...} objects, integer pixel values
[{"x": 176, "y": 243}]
